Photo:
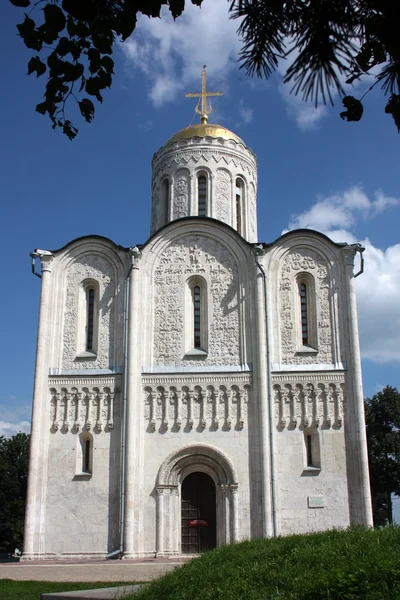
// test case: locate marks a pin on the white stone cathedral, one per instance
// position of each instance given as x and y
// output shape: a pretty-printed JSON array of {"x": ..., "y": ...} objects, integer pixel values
[{"x": 202, "y": 388}]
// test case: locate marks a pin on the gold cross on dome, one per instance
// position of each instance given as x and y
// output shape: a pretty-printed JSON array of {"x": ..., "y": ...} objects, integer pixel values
[{"x": 205, "y": 109}]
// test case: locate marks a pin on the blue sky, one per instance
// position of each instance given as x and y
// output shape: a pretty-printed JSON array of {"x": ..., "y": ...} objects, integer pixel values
[{"x": 315, "y": 170}]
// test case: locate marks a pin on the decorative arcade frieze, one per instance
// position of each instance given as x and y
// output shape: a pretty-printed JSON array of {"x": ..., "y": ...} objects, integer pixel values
[
  {"x": 79, "y": 406},
  {"x": 194, "y": 404},
  {"x": 309, "y": 401}
]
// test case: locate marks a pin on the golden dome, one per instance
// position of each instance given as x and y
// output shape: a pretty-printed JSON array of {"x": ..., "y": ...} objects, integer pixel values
[{"x": 203, "y": 130}]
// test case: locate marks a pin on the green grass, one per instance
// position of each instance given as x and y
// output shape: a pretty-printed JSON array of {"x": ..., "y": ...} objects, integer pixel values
[
  {"x": 333, "y": 565},
  {"x": 31, "y": 590}
]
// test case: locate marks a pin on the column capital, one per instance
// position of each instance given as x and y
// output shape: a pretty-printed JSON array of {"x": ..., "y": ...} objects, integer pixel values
[
  {"x": 46, "y": 259},
  {"x": 349, "y": 252}
]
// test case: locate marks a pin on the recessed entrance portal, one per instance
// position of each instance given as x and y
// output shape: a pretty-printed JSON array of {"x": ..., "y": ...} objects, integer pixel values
[{"x": 198, "y": 513}]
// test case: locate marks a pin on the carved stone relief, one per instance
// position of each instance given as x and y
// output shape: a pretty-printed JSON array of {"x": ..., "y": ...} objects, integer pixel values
[
  {"x": 196, "y": 406},
  {"x": 223, "y": 196},
  {"x": 78, "y": 407},
  {"x": 196, "y": 255},
  {"x": 181, "y": 195},
  {"x": 295, "y": 263},
  {"x": 97, "y": 268},
  {"x": 318, "y": 402}
]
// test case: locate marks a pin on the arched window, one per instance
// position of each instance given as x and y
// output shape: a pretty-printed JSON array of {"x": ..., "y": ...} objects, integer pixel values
[
  {"x": 304, "y": 313},
  {"x": 202, "y": 195},
  {"x": 87, "y": 329},
  {"x": 312, "y": 449},
  {"x": 165, "y": 200},
  {"x": 90, "y": 302},
  {"x": 84, "y": 458},
  {"x": 239, "y": 205},
  {"x": 196, "y": 311},
  {"x": 196, "y": 316},
  {"x": 306, "y": 319}
]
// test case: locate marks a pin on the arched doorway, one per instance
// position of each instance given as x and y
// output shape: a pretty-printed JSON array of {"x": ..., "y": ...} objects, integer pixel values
[
  {"x": 200, "y": 459},
  {"x": 198, "y": 513}
]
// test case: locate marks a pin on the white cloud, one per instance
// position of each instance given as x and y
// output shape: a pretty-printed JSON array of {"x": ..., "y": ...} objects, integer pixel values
[
  {"x": 378, "y": 288},
  {"x": 171, "y": 53},
  {"x": 9, "y": 429},
  {"x": 342, "y": 210}
]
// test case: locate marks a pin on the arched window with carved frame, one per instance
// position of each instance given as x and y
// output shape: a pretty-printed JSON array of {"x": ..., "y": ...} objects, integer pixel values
[
  {"x": 306, "y": 313},
  {"x": 239, "y": 204},
  {"x": 88, "y": 319},
  {"x": 202, "y": 194},
  {"x": 196, "y": 326}
]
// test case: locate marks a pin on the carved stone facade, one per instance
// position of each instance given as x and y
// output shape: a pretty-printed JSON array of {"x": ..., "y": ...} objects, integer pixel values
[
  {"x": 211, "y": 260},
  {"x": 196, "y": 367},
  {"x": 98, "y": 269},
  {"x": 222, "y": 162},
  {"x": 294, "y": 264}
]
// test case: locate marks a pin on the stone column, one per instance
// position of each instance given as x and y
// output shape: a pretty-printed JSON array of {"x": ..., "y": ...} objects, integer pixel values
[
  {"x": 133, "y": 530},
  {"x": 261, "y": 401},
  {"x": 160, "y": 521},
  {"x": 235, "y": 520},
  {"x": 34, "y": 522},
  {"x": 356, "y": 439}
]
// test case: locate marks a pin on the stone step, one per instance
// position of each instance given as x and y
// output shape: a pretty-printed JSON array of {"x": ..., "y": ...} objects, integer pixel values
[{"x": 112, "y": 593}]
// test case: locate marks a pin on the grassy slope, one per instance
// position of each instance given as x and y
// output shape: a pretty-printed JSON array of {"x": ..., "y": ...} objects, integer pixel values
[
  {"x": 333, "y": 565},
  {"x": 31, "y": 590}
]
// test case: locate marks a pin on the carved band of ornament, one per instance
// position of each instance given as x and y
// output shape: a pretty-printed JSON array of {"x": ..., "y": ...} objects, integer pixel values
[
  {"x": 309, "y": 405},
  {"x": 316, "y": 377},
  {"x": 178, "y": 380},
  {"x": 194, "y": 157},
  {"x": 196, "y": 407},
  {"x": 81, "y": 408},
  {"x": 197, "y": 145},
  {"x": 85, "y": 381}
]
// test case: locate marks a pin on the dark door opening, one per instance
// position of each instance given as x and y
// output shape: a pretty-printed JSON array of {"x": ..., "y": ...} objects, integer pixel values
[{"x": 199, "y": 531}]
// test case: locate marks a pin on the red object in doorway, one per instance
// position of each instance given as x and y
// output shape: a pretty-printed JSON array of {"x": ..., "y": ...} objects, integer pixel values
[{"x": 198, "y": 523}]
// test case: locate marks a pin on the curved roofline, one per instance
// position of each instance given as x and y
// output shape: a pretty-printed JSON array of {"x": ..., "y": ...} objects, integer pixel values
[
  {"x": 292, "y": 232},
  {"x": 304, "y": 231},
  {"x": 194, "y": 217},
  {"x": 205, "y": 130},
  {"x": 87, "y": 237}
]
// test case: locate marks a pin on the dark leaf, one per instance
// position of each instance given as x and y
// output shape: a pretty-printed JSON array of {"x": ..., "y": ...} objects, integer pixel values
[
  {"x": 94, "y": 60},
  {"x": 54, "y": 18},
  {"x": 69, "y": 130},
  {"x": 102, "y": 43},
  {"x": 55, "y": 65},
  {"x": 87, "y": 109},
  {"x": 126, "y": 21},
  {"x": 21, "y": 3},
  {"x": 176, "y": 7},
  {"x": 108, "y": 64},
  {"x": 84, "y": 10},
  {"x": 64, "y": 46},
  {"x": 72, "y": 72},
  {"x": 354, "y": 110},
  {"x": 48, "y": 35},
  {"x": 77, "y": 28},
  {"x": 29, "y": 34},
  {"x": 35, "y": 64},
  {"x": 42, "y": 108},
  {"x": 393, "y": 108}
]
